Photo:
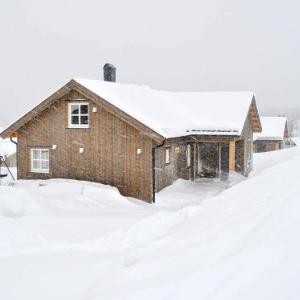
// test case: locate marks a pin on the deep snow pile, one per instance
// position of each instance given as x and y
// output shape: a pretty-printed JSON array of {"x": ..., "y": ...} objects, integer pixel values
[{"x": 62, "y": 239}]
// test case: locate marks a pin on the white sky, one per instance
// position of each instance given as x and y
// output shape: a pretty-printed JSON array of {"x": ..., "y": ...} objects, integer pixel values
[{"x": 211, "y": 45}]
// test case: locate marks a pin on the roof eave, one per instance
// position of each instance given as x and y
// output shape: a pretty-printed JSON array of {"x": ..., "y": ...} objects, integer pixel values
[
  {"x": 158, "y": 138},
  {"x": 11, "y": 131}
]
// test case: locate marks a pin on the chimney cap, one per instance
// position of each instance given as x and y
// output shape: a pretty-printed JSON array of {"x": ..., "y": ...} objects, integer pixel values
[
  {"x": 108, "y": 65},
  {"x": 109, "y": 72}
]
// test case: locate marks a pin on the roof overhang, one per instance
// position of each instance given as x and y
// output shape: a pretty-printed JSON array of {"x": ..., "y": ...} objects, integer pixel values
[
  {"x": 269, "y": 138},
  {"x": 12, "y": 130}
]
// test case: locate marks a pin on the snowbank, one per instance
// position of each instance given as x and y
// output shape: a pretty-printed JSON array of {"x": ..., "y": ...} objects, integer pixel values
[
  {"x": 61, "y": 197},
  {"x": 64, "y": 239}
]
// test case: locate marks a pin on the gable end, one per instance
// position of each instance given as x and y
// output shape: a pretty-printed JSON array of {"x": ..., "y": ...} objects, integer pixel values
[{"x": 11, "y": 131}]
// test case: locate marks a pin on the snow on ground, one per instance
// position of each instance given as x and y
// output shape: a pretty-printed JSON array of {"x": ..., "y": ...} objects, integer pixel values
[
  {"x": 8, "y": 180},
  {"x": 64, "y": 239}
]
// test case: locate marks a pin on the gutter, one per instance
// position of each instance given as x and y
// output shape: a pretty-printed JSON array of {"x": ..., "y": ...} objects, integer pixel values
[
  {"x": 153, "y": 168},
  {"x": 10, "y": 138}
]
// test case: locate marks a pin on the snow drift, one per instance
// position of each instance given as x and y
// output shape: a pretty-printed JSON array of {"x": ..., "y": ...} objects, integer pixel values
[{"x": 63, "y": 239}]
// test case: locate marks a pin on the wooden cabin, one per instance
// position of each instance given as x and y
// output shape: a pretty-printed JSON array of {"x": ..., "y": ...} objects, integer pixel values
[
  {"x": 133, "y": 137},
  {"x": 274, "y": 135}
]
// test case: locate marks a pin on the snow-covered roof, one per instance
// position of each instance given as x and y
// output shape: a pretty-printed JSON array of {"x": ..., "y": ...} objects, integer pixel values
[
  {"x": 168, "y": 114},
  {"x": 273, "y": 128},
  {"x": 173, "y": 114}
]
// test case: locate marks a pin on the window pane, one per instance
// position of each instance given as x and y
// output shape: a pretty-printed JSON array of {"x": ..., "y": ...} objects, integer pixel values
[
  {"x": 75, "y": 120},
  {"x": 45, "y": 154},
  {"x": 84, "y": 109},
  {"x": 36, "y": 164},
  {"x": 45, "y": 164},
  {"x": 35, "y": 154},
  {"x": 74, "y": 109},
  {"x": 84, "y": 120}
]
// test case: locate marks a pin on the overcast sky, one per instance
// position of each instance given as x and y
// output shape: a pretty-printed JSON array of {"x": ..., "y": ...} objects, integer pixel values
[{"x": 189, "y": 45}]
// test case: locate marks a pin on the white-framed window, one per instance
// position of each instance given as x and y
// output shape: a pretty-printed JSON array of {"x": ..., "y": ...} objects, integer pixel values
[
  {"x": 78, "y": 115},
  {"x": 39, "y": 160},
  {"x": 167, "y": 155},
  {"x": 188, "y": 155}
]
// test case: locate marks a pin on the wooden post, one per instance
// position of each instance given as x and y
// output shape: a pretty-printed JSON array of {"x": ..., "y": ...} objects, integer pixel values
[
  {"x": 231, "y": 156},
  {"x": 220, "y": 160},
  {"x": 192, "y": 168},
  {"x": 195, "y": 161}
]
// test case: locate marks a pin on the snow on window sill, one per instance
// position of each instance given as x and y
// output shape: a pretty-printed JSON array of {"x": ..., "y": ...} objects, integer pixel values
[
  {"x": 78, "y": 127},
  {"x": 39, "y": 171}
]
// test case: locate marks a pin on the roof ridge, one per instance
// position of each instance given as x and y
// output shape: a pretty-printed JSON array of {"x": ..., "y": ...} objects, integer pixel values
[{"x": 77, "y": 79}]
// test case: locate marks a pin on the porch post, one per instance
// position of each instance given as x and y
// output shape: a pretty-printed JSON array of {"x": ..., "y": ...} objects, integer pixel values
[
  {"x": 231, "y": 155},
  {"x": 195, "y": 161},
  {"x": 220, "y": 160}
]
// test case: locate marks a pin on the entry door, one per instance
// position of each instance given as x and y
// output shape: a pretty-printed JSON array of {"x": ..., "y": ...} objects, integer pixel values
[{"x": 208, "y": 160}]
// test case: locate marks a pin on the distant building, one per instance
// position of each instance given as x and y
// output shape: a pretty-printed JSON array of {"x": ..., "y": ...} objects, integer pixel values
[
  {"x": 274, "y": 136},
  {"x": 294, "y": 128}
]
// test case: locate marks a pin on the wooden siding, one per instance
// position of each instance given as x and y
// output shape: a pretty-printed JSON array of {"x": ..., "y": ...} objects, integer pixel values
[
  {"x": 265, "y": 146},
  {"x": 166, "y": 174},
  {"x": 110, "y": 149},
  {"x": 240, "y": 156},
  {"x": 247, "y": 138}
]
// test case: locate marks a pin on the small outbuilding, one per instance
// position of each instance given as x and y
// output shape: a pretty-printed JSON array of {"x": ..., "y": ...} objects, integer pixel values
[{"x": 274, "y": 135}]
